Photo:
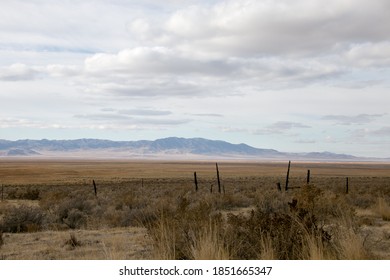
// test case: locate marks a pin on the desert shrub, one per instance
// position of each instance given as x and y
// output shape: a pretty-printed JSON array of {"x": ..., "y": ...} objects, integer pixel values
[
  {"x": 74, "y": 212},
  {"x": 75, "y": 218},
  {"x": 112, "y": 217},
  {"x": 52, "y": 199},
  {"x": 30, "y": 194},
  {"x": 22, "y": 219},
  {"x": 230, "y": 201},
  {"x": 137, "y": 217},
  {"x": 22, "y": 193},
  {"x": 362, "y": 200},
  {"x": 12, "y": 193},
  {"x": 283, "y": 234},
  {"x": 271, "y": 201},
  {"x": 330, "y": 207}
]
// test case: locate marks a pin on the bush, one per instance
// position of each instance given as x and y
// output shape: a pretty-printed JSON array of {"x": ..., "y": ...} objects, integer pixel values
[
  {"x": 286, "y": 233},
  {"x": 22, "y": 219},
  {"x": 29, "y": 194},
  {"x": 74, "y": 212}
]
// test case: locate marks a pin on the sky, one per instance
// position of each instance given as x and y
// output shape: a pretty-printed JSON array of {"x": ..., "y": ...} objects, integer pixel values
[{"x": 295, "y": 76}]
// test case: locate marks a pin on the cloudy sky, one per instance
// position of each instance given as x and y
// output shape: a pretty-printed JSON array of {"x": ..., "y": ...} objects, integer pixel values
[{"x": 296, "y": 76}]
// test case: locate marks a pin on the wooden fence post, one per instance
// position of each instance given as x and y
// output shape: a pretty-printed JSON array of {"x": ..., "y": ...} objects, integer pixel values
[
  {"x": 94, "y": 187},
  {"x": 288, "y": 174},
  {"x": 196, "y": 182},
  {"x": 308, "y": 177},
  {"x": 346, "y": 186},
  {"x": 2, "y": 192},
  {"x": 218, "y": 180}
]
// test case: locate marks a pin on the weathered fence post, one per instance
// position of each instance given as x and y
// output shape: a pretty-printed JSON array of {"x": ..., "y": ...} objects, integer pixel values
[
  {"x": 196, "y": 182},
  {"x": 94, "y": 187},
  {"x": 279, "y": 186},
  {"x": 308, "y": 177},
  {"x": 346, "y": 186},
  {"x": 288, "y": 174},
  {"x": 218, "y": 180}
]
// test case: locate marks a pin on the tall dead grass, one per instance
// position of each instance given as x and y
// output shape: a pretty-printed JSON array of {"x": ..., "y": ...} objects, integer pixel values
[
  {"x": 209, "y": 245},
  {"x": 382, "y": 208},
  {"x": 164, "y": 240}
]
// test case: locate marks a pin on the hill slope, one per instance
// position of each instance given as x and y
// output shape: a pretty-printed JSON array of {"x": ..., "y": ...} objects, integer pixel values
[{"x": 163, "y": 148}]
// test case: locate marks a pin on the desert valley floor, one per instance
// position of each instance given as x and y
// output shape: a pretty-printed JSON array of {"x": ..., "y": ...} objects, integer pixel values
[{"x": 101, "y": 209}]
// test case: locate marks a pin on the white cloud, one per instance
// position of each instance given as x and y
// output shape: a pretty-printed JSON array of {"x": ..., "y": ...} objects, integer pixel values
[
  {"x": 369, "y": 54},
  {"x": 349, "y": 120},
  {"x": 382, "y": 132},
  {"x": 17, "y": 72},
  {"x": 281, "y": 127},
  {"x": 58, "y": 70},
  {"x": 197, "y": 66},
  {"x": 157, "y": 60},
  {"x": 278, "y": 27}
]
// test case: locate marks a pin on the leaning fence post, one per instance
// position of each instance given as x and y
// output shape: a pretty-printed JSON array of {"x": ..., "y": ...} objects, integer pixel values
[
  {"x": 346, "y": 185},
  {"x": 196, "y": 182},
  {"x": 94, "y": 187},
  {"x": 308, "y": 176},
  {"x": 219, "y": 182},
  {"x": 288, "y": 174}
]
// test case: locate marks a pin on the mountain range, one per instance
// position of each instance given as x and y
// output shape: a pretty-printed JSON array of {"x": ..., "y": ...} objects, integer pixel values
[{"x": 166, "y": 148}]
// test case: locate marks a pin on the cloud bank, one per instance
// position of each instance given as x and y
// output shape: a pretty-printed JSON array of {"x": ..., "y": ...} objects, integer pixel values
[{"x": 224, "y": 69}]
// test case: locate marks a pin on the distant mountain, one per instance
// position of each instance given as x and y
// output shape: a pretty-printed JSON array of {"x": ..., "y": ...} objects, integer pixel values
[{"x": 160, "y": 148}]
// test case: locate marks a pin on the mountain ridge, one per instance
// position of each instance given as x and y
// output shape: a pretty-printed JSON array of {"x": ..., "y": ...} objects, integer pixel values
[{"x": 159, "y": 148}]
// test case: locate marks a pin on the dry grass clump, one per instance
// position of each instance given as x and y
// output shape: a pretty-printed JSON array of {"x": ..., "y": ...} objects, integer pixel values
[
  {"x": 72, "y": 242},
  {"x": 350, "y": 245},
  {"x": 348, "y": 241},
  {"x": 176, "y": 231},
  {"x": 209, "y": 244},
  {"x": 383, "y": 209}
]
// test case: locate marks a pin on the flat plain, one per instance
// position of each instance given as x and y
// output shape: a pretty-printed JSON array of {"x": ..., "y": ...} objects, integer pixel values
[{"x": 51, "y": 210}]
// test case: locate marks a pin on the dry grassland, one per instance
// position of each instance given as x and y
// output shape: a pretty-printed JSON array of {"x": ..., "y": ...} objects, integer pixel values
[
  {"x": 68, "y": 171},
  {"x": 150, "y": 210}
]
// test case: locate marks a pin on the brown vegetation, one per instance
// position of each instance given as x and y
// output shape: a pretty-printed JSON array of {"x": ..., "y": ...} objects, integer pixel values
[{"x": 250, "y": 219}]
